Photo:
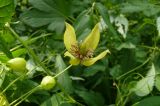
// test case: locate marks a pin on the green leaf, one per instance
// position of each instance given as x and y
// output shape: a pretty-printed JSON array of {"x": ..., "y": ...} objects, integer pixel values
[
  {"x": 146, "y": 7},
  {"x": 150, "y": 101},
  {"x": 3, "y": 70},
  {"x": 157, "y": 82},
  {"x": 158, "y": 25},
  {"x": 4, "y": 46},
  {"x": 47, "y": 12},
  {"x": 19, "y": 52},
  {"x": 115, "y": 71},
  {"x": 56, "y": 100},
  {"x": 157, "y": 69},
  {"x": 6, "y": 11},
  {"x": 92, "y": 70},
  {"x": 8, "y": 37},
  {"x": 82, "y": 23},
  {"x": 105, "y": 15},
  {"x": 145, "y": 85},
  {"x": 91, "y": 98},
  {"x": 127, "y": 45},
  {"x": 64, "y": 80}
]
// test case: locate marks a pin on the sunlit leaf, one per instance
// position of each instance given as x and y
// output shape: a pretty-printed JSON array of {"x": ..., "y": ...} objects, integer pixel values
[
  {"x": 157, "y": 82},
  {"x": 145, "y": 85},
  {"x": 158, "y": 25},
  {"x": 122, "y": 23}
]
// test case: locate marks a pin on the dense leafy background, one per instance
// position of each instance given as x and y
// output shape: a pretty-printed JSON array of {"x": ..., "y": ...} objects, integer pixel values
[{"x": 130, "y": 29}]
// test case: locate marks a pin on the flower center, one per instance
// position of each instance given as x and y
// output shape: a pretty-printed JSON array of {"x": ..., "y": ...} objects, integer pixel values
[{"x": 76, "y": 52}]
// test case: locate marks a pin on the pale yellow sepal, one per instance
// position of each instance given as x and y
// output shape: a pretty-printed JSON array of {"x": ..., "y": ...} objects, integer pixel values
[
  {"x": 73, "y": 60},
  {"x": 69, "y": 37},
  {"x": 91, "y": 61},
  {"x": 92, "y": 40}
]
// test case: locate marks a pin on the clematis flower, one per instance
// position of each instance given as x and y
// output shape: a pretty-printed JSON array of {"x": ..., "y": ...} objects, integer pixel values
[{"x": 82, "y": 52}]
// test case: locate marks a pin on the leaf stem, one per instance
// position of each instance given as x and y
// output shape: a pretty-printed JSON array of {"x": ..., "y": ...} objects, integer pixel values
[
  {"x": 28, "y": 94},
  {"x": 10, "y": 84},
  {"x": 24, "y": 96},
  {"x": 133, "y": 69},
  {"x": 62, "y": 71}
]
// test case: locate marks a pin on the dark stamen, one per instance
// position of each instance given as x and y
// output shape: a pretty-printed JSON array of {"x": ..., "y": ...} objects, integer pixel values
[{"x": 75, "y": 51}]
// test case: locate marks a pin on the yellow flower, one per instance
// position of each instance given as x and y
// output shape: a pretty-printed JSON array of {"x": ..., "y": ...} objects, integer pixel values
[{"x": 82, "y": 53}]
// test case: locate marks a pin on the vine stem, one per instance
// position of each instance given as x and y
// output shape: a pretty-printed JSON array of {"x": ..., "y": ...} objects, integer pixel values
[
  {"x": 28, "y": 94},
  {"x": 10, "y": 84},
  {"x": 31, "y": 52},
  {"x": 133, "y": 69},
  {"x": 62, "y": 71},
  {"x": 24, "y": 96}
]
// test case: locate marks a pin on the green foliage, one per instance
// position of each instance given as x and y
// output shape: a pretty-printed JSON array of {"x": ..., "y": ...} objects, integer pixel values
[
  {"x": 129, "y": 76},
  {"x": 143, "y": 6},
  {"x": 64, "y": 80},
  {"x": 91, "y": 98},
  {"x": 3, "y": 45},
  {"x": 48, "y": 12},
  {"x": 6, "y": 11},
  {"x": 145, "y": 85},
  {"x": 150, "y": 101}
]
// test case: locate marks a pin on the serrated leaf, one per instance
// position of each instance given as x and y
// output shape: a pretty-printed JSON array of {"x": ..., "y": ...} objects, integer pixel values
[{"x": 145, "y": 85}]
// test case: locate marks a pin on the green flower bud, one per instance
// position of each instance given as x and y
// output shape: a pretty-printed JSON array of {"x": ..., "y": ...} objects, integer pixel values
[
  {"x": 17, "y": 64},
  {"x": 48, "y": 82}
]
